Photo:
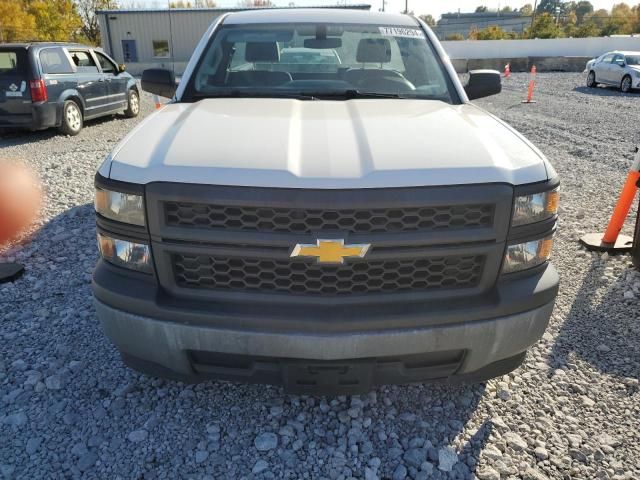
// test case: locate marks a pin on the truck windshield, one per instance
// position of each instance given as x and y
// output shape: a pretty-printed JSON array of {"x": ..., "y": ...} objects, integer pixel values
[{"x": 320, "y": 61}]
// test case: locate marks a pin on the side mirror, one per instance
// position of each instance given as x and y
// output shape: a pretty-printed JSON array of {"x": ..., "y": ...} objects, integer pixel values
[
  {"x": 159, "y": 82},
  {"x": 483, "y": 83},
  {"x": 122, "y": 68}
]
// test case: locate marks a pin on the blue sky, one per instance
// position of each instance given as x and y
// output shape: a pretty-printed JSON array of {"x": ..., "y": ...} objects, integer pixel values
[{"x": 434, "y": 7}]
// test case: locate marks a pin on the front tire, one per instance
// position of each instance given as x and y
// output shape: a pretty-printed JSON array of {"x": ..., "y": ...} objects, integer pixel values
[
  {"x": 591, "y": 80},
  {"x": 625, "y": 85},
  {"x": 72, "y": 121},
  {"x": 133, "y": 104}
]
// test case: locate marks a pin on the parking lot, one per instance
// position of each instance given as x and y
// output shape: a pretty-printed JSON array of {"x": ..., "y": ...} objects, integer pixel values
[{"x": 70, "y": 409}]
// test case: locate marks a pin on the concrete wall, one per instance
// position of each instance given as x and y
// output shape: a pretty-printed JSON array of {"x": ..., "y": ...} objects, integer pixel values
[
  {"x": 465, "y": 23},
  {"x": 557, "y": 47}
]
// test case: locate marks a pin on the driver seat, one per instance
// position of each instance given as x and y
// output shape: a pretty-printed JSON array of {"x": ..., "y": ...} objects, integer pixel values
[
  {"x": 370, "y": 50},
  {"x": 259, "y": 52}
]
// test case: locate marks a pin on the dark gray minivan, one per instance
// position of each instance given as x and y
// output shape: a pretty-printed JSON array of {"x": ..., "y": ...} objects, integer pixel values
[{"x": 60, "y": 85}]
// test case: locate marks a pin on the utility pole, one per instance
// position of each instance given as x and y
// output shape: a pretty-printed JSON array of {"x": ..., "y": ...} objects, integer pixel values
[
  {"x": 533, "y": 15},
  {"x": 406, "y": 6}
]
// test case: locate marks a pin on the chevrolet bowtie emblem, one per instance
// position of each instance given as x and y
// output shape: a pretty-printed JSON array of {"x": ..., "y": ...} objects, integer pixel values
[{"x": 330, "y": 251}]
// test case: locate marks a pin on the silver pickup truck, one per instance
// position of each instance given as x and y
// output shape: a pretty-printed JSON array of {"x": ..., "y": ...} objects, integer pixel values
[{"x": 320, "y": 206}]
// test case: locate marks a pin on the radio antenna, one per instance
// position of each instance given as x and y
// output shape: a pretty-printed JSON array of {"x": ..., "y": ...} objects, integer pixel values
[{"x": 173, "y": 60}]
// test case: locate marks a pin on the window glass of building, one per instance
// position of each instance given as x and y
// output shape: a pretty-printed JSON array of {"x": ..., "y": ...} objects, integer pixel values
[{"x": 161, "y": 48}]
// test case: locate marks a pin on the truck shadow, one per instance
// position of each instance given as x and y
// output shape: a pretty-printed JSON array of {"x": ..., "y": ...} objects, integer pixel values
[{"x": 602, "y": 329}]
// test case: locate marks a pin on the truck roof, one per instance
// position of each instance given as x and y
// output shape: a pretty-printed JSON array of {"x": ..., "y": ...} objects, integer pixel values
[{"x": 314, "y": 15}]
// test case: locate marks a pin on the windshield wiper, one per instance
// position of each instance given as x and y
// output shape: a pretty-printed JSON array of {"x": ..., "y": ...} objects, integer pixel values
[
  {"x": 241, "y": 93},
  {"x": 352, "y": 94}
]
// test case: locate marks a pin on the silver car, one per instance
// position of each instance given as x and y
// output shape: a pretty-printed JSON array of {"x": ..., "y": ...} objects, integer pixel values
[{"x": 620, "y": 69}]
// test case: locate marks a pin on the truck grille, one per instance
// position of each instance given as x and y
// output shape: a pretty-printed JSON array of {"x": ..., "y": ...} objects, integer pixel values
[
  {"x": 234, "y": 244},
  {"x": 300, "y": 277},
  {"x": 293, "y": 220}
]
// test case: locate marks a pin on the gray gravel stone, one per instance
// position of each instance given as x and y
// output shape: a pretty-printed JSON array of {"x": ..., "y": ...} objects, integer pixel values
[
  {"x": 515, "y": 441},
  {"x": 53, "y": 382},
  {"x": 259, "y": 467},
  {"x": 138, "y": 436},
  {"x": 87, "y": 461},
  {"x": 201, "y": 456},
  {"x": 266, "y": 441},
  {"x": 415, "y": 457},
  {"x": 541, "y": 453},
  {"x": 33, "y": 444},
  {"x": 447, "y": 458},
  {"x": 400, "y": 473},
  {"x": 15, "y": 419},
  {"x": 488, "y": 473}
]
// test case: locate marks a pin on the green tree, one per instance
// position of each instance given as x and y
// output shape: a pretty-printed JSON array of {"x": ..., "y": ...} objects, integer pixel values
[
  {"x": 599, "y": 18},
  {"x": 428, "y": 19},
  {"x": 506, "y": 9},
  {"x": 570, "y": 24},
  {"x": 635, "y": 22},
  {"x": 56, "y": 20},
  {"x": 582, "y": 9},
  {"x": 455, "y": 37},
  {"x": 526, "y": 10},
  {"x": 16, "y": 23},
  {"x": 482, "y": 9},
  {"x": 620, "y": 22},
  {"x": 544, "y": 27},
  {"x": 548, "y": 6},
  {"x": 492, "y": 32},
  {"x": 587, "y": 29}
]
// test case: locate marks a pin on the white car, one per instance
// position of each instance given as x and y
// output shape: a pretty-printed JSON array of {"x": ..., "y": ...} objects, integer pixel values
[
  {"x": 329, "y": 229},
  {"x": 618, "y": 69}
]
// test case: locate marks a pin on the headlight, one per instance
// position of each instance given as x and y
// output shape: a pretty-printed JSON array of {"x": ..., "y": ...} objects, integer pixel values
[
  {"x": 535, "y": 207},
  {"x": 131, "y": 255},
  {"x": 122, "y": 207},
  {"x": 527, "y": 255}
]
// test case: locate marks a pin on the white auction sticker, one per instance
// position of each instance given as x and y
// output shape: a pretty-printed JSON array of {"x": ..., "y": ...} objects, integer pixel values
[{"x": 401, "y": 32}]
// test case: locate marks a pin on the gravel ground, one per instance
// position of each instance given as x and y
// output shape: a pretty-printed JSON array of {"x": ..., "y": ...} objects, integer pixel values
[{"x": 69, "y": 409}]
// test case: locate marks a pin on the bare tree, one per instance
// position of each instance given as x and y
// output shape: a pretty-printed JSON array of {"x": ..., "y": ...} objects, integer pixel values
[{"x": 87, "y": 11}]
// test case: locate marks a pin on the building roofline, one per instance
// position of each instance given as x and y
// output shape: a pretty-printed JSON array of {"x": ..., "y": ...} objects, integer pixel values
[{"x": 359, "y": 6}]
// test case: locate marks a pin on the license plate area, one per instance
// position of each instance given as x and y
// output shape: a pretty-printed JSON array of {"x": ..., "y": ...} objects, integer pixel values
[{"x": 331, "y": 378}]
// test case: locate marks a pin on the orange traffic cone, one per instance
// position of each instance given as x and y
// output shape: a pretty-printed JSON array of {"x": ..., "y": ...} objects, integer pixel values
[
  {"x": 532, "y": 85},
  {"x": 156, "y": 100},
  {"x": 612, "y": 241}
]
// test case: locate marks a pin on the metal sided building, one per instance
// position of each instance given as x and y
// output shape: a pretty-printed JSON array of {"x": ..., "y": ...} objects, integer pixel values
[{"x": 160, "y": 38}]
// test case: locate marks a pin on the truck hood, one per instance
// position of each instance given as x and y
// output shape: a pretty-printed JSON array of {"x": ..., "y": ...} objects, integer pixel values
[{"x": 324, "y": 144}]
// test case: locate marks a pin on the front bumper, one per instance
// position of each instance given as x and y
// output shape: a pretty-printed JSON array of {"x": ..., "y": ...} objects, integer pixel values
[{"x": 332, "y": 350}]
